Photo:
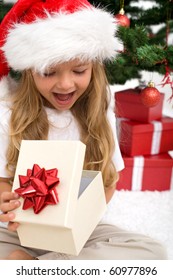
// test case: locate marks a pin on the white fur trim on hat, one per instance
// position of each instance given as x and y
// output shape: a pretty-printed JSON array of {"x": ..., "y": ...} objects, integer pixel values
[{"x": 86, "y": 34}]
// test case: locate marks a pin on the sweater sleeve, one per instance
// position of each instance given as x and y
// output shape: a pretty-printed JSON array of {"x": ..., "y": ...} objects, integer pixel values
[{"x": 117, "y": 157}]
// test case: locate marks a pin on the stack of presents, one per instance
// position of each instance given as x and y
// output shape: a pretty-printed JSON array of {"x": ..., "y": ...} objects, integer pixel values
[{"x": 146, "y": 142}]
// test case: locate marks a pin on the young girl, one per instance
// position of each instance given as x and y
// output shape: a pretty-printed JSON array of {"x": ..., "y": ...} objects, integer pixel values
[{"x": 59, "y": 47}]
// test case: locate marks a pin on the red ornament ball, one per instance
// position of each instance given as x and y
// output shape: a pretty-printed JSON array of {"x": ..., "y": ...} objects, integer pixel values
[
  {"x": 150, "y": 96},
  {"x": 122, "y": 19}
]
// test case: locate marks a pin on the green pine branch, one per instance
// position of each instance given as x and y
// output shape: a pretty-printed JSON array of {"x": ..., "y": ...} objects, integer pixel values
[{"x": 4, "y": 8}]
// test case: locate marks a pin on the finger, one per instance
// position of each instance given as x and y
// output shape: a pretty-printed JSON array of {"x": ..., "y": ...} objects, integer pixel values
[
  {"x": 12, "y": 205},
  {"x": 13, "y": 226},
  {"x": 6, "y": 217},
  {"x": 7, "y": 196}
]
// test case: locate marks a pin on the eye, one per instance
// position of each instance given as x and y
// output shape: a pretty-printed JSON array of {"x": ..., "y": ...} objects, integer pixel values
[
  {"x": 49, "y": 74},
  {"x": 79, "y": 72}
]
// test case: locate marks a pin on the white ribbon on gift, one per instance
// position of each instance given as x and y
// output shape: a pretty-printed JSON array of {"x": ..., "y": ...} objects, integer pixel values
[
  {"x": 137, "y": 173},
  {"x": 156, "y": 138}
]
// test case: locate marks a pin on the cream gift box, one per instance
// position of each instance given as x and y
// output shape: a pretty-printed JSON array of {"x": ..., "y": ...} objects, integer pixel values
[{"x": 67, "y": 225}]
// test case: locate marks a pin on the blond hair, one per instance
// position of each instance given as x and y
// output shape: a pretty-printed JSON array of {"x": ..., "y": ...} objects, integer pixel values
[{"x": 29, "y": 121}]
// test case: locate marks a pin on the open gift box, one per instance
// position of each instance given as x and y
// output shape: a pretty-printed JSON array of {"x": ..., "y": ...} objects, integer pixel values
[{"x": 65, "y": 226}]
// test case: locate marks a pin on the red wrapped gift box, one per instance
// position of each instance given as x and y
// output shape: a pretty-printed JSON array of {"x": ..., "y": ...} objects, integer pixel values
[
  {"x": 149, "y": 173},
  {"x": 146, "y": 139},
  {"x": 128, "y": 104}
]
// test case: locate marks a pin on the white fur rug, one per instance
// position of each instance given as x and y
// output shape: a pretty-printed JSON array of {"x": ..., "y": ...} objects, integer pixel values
[{"x": 147, "y": 212}]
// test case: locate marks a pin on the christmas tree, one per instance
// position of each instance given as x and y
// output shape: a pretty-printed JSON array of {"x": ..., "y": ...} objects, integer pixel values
[
  {"x": 4, "y": 8},
  {"x": 143, "y": 49}
]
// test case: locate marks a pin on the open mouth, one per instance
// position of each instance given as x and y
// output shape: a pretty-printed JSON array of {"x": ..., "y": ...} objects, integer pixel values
[{"x": 63, "y": 98}]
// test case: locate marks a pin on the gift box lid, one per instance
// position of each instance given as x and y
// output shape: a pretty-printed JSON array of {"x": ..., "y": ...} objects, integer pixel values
[
  {"x": 158, "y": 161},
  {"x": 68, "y": 158},
  {"x": 132, "y": 95},
  {"x": 165, "y": 123},
  {"x": 128, "y": 95}
]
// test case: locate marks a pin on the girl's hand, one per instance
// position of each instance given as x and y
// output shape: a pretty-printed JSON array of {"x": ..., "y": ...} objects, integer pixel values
[{"x": 9, "y": 202}]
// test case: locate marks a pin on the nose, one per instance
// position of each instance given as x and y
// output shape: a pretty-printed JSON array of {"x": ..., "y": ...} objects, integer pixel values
[{"x": 64, "y": 82}]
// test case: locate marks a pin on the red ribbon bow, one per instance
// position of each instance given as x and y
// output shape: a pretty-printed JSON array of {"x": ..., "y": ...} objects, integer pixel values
[{"x": 38, "y": 188}]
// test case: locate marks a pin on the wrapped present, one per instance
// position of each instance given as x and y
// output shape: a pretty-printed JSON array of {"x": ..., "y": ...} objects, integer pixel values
[
  {"x": 146, "y": 138},
  {"x": 61, "y": 203},
  {"x": 129, "y": 105},
  {"x": 149, "y": 173}
]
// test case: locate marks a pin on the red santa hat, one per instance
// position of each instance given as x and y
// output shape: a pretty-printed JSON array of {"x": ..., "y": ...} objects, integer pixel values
[{"x": 37, "y": 34}]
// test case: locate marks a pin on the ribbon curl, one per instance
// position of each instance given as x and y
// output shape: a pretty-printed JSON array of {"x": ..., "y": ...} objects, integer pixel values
[
  {"x": 38, "y": 188},
  {"x": 167, "y": 80}
]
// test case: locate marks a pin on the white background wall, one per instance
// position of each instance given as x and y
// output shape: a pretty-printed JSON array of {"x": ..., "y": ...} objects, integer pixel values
[{"x": 10, "y": 1}]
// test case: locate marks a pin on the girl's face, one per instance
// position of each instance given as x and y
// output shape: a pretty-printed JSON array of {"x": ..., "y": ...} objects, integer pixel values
[{"x": 63, "y": 84}]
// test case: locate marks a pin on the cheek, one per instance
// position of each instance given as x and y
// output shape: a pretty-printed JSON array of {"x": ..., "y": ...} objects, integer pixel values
[
  {"x": 42, "y": 85},
  {"x": 85, "y": 82}
]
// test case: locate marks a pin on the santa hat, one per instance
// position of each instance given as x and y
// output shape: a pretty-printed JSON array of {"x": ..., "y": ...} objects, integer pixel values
[{"x": 37, "y": 34}]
